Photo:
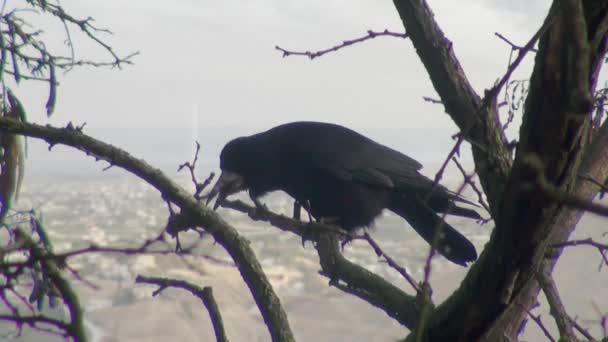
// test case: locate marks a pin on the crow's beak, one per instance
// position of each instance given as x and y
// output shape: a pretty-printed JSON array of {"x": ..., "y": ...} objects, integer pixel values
[{"x": 228, "y": 184}]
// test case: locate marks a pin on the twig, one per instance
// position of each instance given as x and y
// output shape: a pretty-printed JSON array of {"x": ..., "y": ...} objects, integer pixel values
[
  {"x": 391, "y": 262},
  {"x": 75, "y": 327},
  {"x": 370, "y": 35},
  {"x": 369, "y": 286},
  {"x": 513, "y": 45},
  {"x": 522, "y": 52},
  {"x": 539, "y": 322},
  {"x": 473, "y": 185},
  {"x": 198, "y": 187},
  {"x": 205, "y": 294},
  {"x": 455, "y": 150},
  {"x": 602, "y": 248},
  {"x": 239, "y": 249},
  {"x": 427, "y": 289},
  {"x": 432, "y": 100},
  {"x": 557, "y": 309},
  {"x": 602, "y": 321}
]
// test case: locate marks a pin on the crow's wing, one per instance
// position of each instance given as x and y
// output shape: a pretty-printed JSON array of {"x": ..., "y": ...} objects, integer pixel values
[{"x": 349, "y": 155}]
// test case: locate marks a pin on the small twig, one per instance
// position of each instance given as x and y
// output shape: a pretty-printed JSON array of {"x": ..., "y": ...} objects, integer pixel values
[
  {"x": 390, "y": 261},
  {"x": 557, "y": 309},
  {"x": 522, "y": 52},
  {"x": 602, "y": 321},
  {"x": 425, "y": 294},
  {"x": 370, "y": 35},
  {"x": 582, "y": 330},
  {"x": 205, "y": 294},
  {"x": 473, "y": 185},
  {"x": 454, "y": 151},
  {"x": 602, "y": 248},
  {"x": 540, "y": 324},
  {"x": 513, "y": 46},
  {"x": 198, "y": 187},
  {"x": 144, "y": 248},
  {"x": 432, "y": 100}
]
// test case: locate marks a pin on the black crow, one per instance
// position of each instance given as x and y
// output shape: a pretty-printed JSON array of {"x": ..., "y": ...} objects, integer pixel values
[{"x": 342, "y": 175}]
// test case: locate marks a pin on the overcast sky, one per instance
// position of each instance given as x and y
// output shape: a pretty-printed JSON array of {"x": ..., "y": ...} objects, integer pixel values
[{"x": 208, "y": 70}]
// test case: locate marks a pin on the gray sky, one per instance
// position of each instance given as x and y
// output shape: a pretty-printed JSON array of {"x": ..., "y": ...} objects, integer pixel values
[{"x": 206, "y": 66}]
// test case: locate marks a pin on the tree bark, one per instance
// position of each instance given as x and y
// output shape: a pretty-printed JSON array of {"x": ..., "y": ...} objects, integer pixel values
[{"x": 554, "y": 134}]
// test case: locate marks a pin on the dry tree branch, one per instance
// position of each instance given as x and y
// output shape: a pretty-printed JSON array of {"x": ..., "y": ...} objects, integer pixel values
[
  {"x": 390, "y": 261},
  {"x": 485, "y": 104},
  {"x": 370, "y": 35},
  {"x": 75, "y": 327},
  {"x": 85, "y": 25},
  {"x": 25, "y": 56},
  {"x": 238, "y": 247},
  {"x": 538, "y": 320},
  {"x": 191, "y": 166},
  {"x": 513, "y": 45},
  {"x": 205, "y": 294},
  {"x": 366, "y": 285},
  {"x": 60, "y": 258},
  {"x": 469, "y": 180},
  {"x": 426, "y": 305},
  {"x": 557, "y": 309},
  {"x": 565, "y": 323},
  {"x": 602, "y": 248},
  {"x": 343, "y": 274}
]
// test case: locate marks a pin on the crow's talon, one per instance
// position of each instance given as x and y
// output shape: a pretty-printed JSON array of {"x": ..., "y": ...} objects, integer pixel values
[{"x": 347, "y": 239}]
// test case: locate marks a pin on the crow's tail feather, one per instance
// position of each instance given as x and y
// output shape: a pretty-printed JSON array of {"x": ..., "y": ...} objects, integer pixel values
[
  {"x": 451, "y": 244},
  {"x": 446, "y": 203}
]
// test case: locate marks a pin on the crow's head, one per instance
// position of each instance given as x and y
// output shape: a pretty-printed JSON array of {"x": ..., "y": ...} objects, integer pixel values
[{"x": 233, "y": 163}]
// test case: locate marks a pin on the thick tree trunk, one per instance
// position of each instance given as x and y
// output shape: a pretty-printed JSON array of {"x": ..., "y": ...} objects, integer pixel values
[{"x": 553, "y": 139}]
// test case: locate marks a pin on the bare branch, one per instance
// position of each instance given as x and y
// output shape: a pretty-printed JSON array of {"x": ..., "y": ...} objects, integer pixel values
[
  {"x": 495, "y": 90},
  {"x": 558, "y": 311},
  {"x": 601, "y": 247},
  {"x": 538, "y": 320},
  {"x": 513, "y": 45},
  {"x": 237, "y": 246},
  {"x": 370, "y": 35},
  {"x": 473, "y": 185},
  {"x": 205, "y": 294},
  {"x": 360, "y": 281},
  {"x": 365, "y": 284},
  {"x": 75, "y": 327},
  {"x": 391, "y": 262},
  {"x": 198, "y": 187}
]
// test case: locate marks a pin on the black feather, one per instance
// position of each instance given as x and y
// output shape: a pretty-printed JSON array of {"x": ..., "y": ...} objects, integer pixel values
[{"x": 345, "y": 176}]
